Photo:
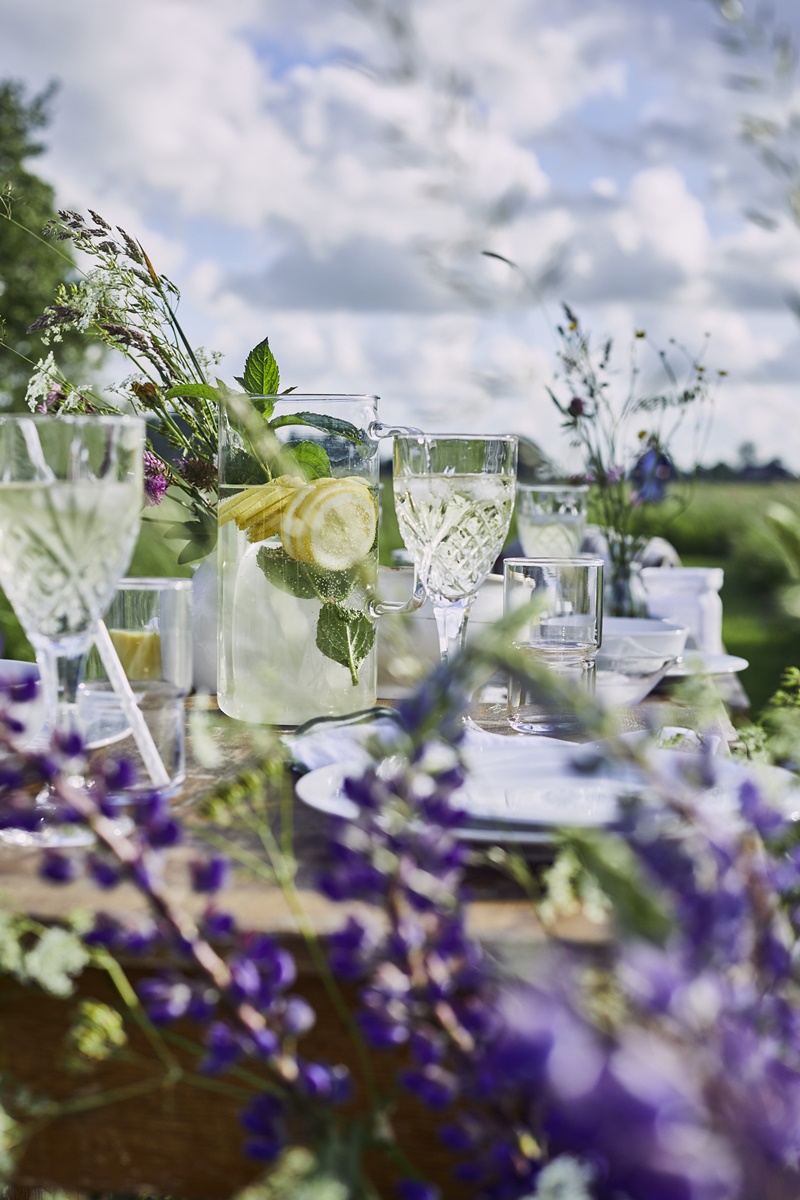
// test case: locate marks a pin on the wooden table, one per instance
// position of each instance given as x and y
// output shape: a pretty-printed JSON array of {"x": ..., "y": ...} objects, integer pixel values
[{"x": 173, "y": 1137}]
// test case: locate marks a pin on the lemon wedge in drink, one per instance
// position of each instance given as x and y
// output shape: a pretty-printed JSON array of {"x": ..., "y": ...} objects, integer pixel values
[
  {"x": 330, "y": 523},
  {"x": 257, "y": 510}
]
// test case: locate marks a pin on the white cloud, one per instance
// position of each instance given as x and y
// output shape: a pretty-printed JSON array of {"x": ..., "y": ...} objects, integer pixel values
[{"x": 301, "y": 172}]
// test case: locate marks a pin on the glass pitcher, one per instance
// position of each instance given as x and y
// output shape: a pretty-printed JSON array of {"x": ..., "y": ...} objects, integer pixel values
[{"x": 298, "y": 556}]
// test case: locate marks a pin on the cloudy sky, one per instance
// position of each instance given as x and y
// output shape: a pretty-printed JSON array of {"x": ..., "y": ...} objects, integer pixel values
[{"x": 328, "y": 172}]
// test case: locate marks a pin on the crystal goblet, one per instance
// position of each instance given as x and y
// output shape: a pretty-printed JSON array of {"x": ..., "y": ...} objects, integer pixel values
[
  {"x": 70, "y": 507},
  {"x": 454, "y": 495}
]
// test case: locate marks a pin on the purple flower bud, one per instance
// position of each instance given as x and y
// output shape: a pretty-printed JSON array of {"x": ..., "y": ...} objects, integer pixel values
[
  {"x": 210, "y": 874},
  {"x": 202, "y": 1003},
  {"x": 380, "y": 1031},
  {"x": 11, "y": 778},
  {"x": 222, "y": 1046},
  {"x": 415, "y": 1189},
  {"x": 57, "y": 867},
  {"x": 263, "y": 1120},
  {"x": 25, "y": 690},
  {"x": 576, "y": 407},
  {"x": 155, "y": 479},
  {"x": 435, "y": 1087},
  {"x": 298, "y": 1016},
  {"x": 218, "y": 924},
  {"x": 120, "y": 774},
  {"x": 265, "y": 1042},
  {"x": 165, "y": 833},
  {"x": 164, "y": 1001},
  {"x": 245, "y": 979},
  {"x": 104, "y": 932},
  {"x": 68, "y": 743},
  {"x": 103, "y": 871},
  {"x": 12, "y": 724}
]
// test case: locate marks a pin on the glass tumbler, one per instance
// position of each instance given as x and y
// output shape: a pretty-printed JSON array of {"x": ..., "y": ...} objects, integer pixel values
[{"x": 559, "y": 639}]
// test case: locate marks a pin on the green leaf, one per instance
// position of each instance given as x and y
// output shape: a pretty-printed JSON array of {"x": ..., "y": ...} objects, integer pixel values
[
  {"x": 332, "y": 425},
  {"x": 261, "y": 375},
  {"x": 345, "y": 635},
  {"x": 301, "y": 579},
  {"x": 193, "y": 391},
  {"x": 312, "y": 458},
  {"x": 637, "y": 908}
]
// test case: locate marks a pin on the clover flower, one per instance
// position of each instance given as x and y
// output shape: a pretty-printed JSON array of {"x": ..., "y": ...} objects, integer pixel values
[{"x": 156, "y": 479}]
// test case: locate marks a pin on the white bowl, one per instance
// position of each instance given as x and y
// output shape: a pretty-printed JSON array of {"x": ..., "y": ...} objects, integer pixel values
[
  {"x": 635, "y": 654},
  {"x": 642, "y": 637}
]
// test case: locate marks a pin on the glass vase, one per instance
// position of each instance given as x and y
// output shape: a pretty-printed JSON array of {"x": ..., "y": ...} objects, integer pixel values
[{"x": 624, "y": 592}]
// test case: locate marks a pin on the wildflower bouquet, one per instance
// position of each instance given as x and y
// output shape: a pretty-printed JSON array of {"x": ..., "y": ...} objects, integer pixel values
[
  {"x": 668, "y": 1066},
  {"x": 625, "y": 442}
]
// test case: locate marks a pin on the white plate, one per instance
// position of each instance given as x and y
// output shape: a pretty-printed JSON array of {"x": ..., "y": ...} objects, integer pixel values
[
  {"x": 699, "y": 662},
  {"x": 530, "y": 796}
]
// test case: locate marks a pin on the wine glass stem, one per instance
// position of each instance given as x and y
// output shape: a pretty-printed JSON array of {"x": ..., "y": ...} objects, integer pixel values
[
  {"x": 61, "y": 675},
  {"x": 451, "y": 624}
]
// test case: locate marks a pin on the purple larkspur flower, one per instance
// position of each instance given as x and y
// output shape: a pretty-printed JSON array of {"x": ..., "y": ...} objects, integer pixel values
[
  {"x": 156, "y": 481},
  {"x": 209, "y": 874}
]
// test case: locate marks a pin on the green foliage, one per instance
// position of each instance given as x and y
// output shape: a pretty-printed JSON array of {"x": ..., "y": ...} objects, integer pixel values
[
  {"x": 29, "y": 270},
  {"x": 313, "y": 459},
  {"x": 261, "y": 375},
  {"x": 345, "y": 635},
  {"x": 304, "y": 580}
]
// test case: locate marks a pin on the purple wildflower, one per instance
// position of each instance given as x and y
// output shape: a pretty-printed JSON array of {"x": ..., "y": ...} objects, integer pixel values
[{"x": 156, "y": 480}]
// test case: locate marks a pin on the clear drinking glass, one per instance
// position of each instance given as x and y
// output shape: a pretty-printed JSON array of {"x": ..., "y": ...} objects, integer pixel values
[
  {"x": 454, "y": 494},
  {"x": 70, "y": 508},
  {"x": 562, "y": 634},
  {"x": 149, "y": 622},
  {"x": 551, "y": 518}
]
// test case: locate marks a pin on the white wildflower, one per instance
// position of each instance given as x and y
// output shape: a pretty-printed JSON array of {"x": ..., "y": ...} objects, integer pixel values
[
  {"x": 9, "y": 1142},
  {"x": 10, "y": 948},
  {"x": 45, "y": 377},
  {"x": 55, "y": 960},
  {"x": 564, "y": 1178}
]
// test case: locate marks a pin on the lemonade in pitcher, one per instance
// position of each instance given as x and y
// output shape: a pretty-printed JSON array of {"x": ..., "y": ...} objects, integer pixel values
[{"x": 298, "y": 552}]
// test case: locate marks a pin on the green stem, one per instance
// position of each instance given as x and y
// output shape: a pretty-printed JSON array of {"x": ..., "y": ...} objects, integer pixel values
[{"x": 128, "y": 995}]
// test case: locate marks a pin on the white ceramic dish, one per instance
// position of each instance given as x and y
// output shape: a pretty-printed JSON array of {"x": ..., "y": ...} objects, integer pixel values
[
  {"x": 700, "y": 662},
  {"x": 642, "y": 637},
  {"x": 526, "y": 797}
]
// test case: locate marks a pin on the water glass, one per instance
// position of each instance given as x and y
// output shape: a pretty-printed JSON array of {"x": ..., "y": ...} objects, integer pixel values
[
  {"x": 561, "y": 636},
  {"x": 149, "y": 622},
  {"x": 551, "y": 518}
]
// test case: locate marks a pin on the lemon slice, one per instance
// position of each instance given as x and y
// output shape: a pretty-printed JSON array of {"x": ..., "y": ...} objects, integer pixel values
[
  {"x": 257, "y": 510},
  {"x": 330, "y": 523}
]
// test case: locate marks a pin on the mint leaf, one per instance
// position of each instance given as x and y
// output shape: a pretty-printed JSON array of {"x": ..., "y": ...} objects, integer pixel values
[
  {"x": 312, "y": 458},
  {"x": 301, "y": 579},
  {"x": 261, "y": 375},
  {"x": 192, "y": 391},
  {"x": 345, "y": 635},
  {"x": 332, "y": 425}
]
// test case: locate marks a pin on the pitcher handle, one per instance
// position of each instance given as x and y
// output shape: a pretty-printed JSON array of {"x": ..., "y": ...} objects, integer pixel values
[
  {"x": 377, "y": 430},
  {"x": 379, "y": 608}
]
